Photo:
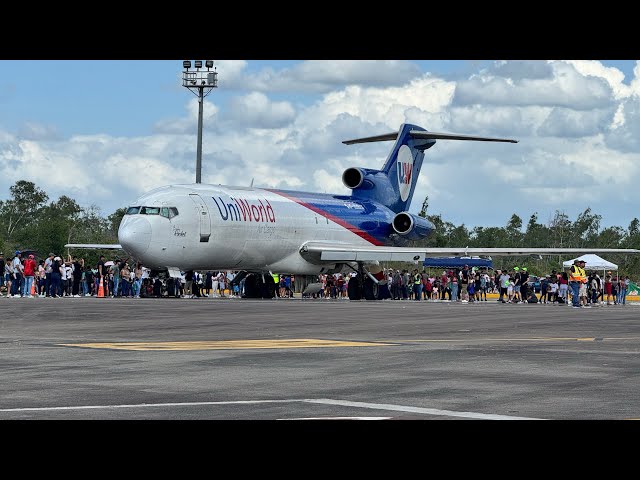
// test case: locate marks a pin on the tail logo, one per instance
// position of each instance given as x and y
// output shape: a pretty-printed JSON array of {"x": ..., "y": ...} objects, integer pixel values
[{"x": 405, "y": 171}]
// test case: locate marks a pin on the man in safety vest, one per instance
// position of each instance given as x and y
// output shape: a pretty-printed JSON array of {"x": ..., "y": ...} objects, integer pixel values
[{"x": 577, "y": 276}]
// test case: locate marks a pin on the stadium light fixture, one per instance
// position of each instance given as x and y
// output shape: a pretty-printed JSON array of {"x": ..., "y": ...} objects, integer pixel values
[{"x": 201, "y": 84}]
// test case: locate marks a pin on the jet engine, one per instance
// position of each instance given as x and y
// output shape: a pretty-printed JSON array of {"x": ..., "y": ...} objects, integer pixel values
[
  {"x": 411, "y": 226},
  {"x": 353, "y": 177}
]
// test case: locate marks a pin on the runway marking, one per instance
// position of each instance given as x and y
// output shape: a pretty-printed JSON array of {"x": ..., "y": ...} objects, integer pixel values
[
  {"x": 323, "y": 401},
  {"x": 226, "y": 345},
  {"x": 421, "y": 410},
  {"x": 533, "y": 339}
]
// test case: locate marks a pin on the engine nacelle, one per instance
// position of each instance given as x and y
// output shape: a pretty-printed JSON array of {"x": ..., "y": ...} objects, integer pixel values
[
  {"x": 353, "y": 177},
  {"x": 411, "y": 226}
]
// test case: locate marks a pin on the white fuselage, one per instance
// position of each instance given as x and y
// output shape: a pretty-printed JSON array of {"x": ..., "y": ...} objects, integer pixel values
[{"x": 227, "y": 228}]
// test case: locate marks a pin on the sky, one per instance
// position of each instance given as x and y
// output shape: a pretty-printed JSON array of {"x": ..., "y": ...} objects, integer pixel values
[{"x": 104, "y": 132}]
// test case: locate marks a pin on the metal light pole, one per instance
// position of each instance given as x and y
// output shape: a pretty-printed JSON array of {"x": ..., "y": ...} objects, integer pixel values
[{"x": 200, "y": 83}]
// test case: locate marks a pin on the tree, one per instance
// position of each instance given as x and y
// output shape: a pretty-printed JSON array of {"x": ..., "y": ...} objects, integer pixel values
[
  {"x": 586, "y": 227},
  {"x": 425, "y": 206},
  {"x": 22, "y": 209},
  {"x": 514, "y": 231},
  {"x": 560, "y": 227},
  {"x": 114, "y": 220}
]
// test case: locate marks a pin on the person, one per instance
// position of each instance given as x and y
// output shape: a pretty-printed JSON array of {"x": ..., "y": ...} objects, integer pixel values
[
  {"x": 453, "y": 282},
  {"x": 524, "y": 286},
  {"x": 608, "y": 288},
  {"x": 563, "y": 286},
  {"x": 125, "y": 277},
  {"x": 1, "y": 270},
  {"x": 56, "y": 276},
  {"x": 47, "y": 274},
  {"x": 504, "y": 284},
  {"x": 16, "y": 285},
  {"x": 88, "y": 280},
  {"x": 544, "y": 285},
  {"x": 77, "y": 271},
  {"x": 101, "y": 276},
  {"x": 188, "y": 277},
  {"x": 138, "y": 282},
  {"x": 29, "y": 274},
  {"x": 577, "y": 276},
  {"x": 532, "y": 296},
  {"x": 517, "y": 279},
  {"x": 8, "y": 275},
  {"x": 583, "y": 294},
  {"x": 595, "y": 285},
  {"x": 624, "y": 287},
  {"x": 417, "y": 284}
]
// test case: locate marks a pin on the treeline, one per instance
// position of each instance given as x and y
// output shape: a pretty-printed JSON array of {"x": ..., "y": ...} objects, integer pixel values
[
  {"x": 29, "y": 221},
  {"x": 559, "y": 232}
]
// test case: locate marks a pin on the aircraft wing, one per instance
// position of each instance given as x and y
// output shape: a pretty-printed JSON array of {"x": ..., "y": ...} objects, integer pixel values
[
  {"x": 105, "y": 246},
  {"x": 337, "y": 252}
]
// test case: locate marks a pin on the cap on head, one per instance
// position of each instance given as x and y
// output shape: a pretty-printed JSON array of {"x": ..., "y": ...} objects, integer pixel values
[
  {"x": 516, "y": 268},
  {"x": 52, "y": 254},
  {"x": 17, "y": 252},
  {"x": 524, "y": 269},
  {"x": 31, "y": 257}
]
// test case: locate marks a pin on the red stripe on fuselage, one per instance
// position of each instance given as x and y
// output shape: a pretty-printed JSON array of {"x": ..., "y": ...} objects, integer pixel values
[{"x": 339, "y": 221}]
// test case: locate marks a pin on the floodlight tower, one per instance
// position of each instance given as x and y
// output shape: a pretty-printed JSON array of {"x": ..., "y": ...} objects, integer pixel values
[{"x": 201, "y": 83}]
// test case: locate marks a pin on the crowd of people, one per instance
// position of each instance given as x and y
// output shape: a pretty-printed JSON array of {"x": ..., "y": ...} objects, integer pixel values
[
  {"x": 55, "y": 277},
  {"x": 468, "y": 285}
]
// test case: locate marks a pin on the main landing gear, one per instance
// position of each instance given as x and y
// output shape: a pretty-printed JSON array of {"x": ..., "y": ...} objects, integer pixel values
[{"x": 362, "y": 286}]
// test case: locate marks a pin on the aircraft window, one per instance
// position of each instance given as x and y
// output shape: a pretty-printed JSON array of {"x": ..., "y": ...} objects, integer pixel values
[
  {"x": 164, "y": 211},
  {"x": 132, "y": 210},
  {"x": 173, "y": 212},
  {"x": 150, "y": 211}
]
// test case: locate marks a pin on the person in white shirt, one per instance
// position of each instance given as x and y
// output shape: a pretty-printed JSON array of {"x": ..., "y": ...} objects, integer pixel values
[
  {"x": 63, "y": 280},
  {"x": 41, "y": 278}
]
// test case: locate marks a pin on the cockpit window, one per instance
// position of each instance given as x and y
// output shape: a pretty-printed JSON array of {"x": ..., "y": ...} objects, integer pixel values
[
  {"x": 150, "y": 211},
  {"x": 167, "y": 212}
]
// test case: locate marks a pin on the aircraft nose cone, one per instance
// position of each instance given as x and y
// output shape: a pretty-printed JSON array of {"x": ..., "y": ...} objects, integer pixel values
[{"x": 134, "y": 235}]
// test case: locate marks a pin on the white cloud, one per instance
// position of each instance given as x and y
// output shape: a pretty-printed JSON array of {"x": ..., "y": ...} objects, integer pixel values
[
  {"x": 255, "y": 110},
  {"x": 566, "y": 87},
  {"x": 320, "y": 75}
]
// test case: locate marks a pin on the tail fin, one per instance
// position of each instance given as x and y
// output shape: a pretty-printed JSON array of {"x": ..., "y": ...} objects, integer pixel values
[{"x": 393, "y": 186}]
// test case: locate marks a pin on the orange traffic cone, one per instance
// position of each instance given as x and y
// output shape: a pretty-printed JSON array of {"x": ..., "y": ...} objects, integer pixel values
[
  {"x": 33, "y": 289},
  {"x": 101, "y": 289}
]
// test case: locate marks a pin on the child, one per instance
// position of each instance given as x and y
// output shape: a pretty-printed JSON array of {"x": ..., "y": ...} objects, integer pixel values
[{"x": 510, "y": 291}]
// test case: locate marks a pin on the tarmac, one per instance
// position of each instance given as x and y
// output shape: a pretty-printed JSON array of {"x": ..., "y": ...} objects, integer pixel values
[{"x": 307, "y": 359}]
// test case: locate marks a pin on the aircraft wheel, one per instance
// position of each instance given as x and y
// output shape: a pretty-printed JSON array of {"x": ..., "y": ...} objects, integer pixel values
[
  {"x": 353, "y": 289},
  {"x": 250, "y": 287},
  {"x": 270, "y": 284},
  {"x": 370, "y": 289}
]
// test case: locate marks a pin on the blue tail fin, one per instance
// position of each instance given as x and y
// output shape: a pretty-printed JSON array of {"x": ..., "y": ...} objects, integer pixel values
[{"x": 394, "y": 184}]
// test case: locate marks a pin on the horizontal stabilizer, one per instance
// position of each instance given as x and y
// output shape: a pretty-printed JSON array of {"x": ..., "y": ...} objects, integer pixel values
[
  {"x": 100, "y": 246},
  {"x": 427, "y": 136}
]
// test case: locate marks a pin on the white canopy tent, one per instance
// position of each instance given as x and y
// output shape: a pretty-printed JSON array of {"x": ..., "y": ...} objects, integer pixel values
[{"x": 593, "y": 262}]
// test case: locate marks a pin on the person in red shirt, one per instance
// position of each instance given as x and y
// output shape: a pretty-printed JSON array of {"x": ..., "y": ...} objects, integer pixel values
[{"x": 29, "y": 274}]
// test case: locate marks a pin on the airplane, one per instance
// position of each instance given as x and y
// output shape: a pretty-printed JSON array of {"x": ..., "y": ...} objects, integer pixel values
[{"x": 256, "y": 231}]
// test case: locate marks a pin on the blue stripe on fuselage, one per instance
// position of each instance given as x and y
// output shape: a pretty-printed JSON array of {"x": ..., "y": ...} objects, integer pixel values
[{"x": 366, "y": 218}]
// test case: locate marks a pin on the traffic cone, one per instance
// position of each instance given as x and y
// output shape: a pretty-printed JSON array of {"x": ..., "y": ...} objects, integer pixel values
[
  {"x": 33, "y": 289},
  {"x": 101, "y": 289}
]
